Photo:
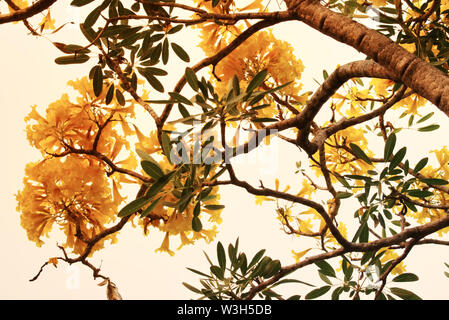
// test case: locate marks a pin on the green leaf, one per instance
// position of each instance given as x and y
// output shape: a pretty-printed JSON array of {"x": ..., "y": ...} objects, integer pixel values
[
  {"x": 152, "y": 169},
  {"x": 221, "y": 255},
  {"x": 336, "y": 293},
  {"x": 159, "y": 184},
  {"x": 264, "y": 120},
  {"x": 256, "y": 258},
  {"x": 326, "y": 268},
  {"x": 180, "y": 52},
  {"x": 129, "y": 40},
  {"x": 97, "y": 80},
  {"x": 154, "y": 82},
  {"x": 155, "y": 53},
  {"x": 191, "y": 78},
  {"x": 397, "y": 158},
  {"x": 364, "y": 233},
  {"x": 218, "y": 272},
  {"x": 324, "y": 278},
  {"x": 197, "y": 209},
  {"x": 366, "y": 257},
  {"x": 175, "y": 29},
  {"x": 115, "y": 30},
  {"x": 214, "y": 206},
  {"x": 70, "y": 48},
  {"x": 72, "y": 59},
  {"x": 145, "y": 156},
  {"x": 419, "y": 193},
  {"x": 192, "y": 288},
  {"x": 120, "y": 98},
  {"x": 404, "y": 294},
  {"x": 358, "y": 152},
  {"x": 410, "y": 120},
  {"x": 150, "y": 208},
  {"x": 110, "y": 94},
  {"x": 292, "y": 281},
  {"x": 435, "y": 181},
  {"x": 344, "y": 195},
  {"x": 92, "y": 17},
  {"x": 389, "y": 146},
  {"x": 420, "y": 165},
  {"x": 135, "y": 7},
  {"x": 80, "y": 3},
  {"x": 133, "y": 206},
  {"x": 271, "y": 268},
  {"x": 165, "y": 53},
  {"x": 432, "y": 127},
  {"x": 180, "y": 98},
  {"x": 347, "y": 268},
  {"x": 166, "y": 146},
  {"x": 406, "y": 277},
  {"x": 153, "y": 71},
  {"x": 317, "y": 292},
  {"x": 427, "y": 116},
  {"x": 183, "y": 110},
  {"x": 198, "y": 272},
  {"x": 196, "y": 224},
  {"x": 258, "y": 79},
  {"x": 89, "y": 33},
  {"x": 243, "y": 262},
  {"x": 260, "y": 266},
  {"x": 236, "y": 85}
]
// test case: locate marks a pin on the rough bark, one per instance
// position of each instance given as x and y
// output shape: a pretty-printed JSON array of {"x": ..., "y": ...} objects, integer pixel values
[
  {"x": 27, "y": 12},
  {"x": 415, "y": 73}
]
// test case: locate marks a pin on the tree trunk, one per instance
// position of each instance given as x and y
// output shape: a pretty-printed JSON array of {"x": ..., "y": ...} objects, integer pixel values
[{"x": 415, "y": 73}]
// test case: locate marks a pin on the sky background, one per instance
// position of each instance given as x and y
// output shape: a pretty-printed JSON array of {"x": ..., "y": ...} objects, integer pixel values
[{"x": 29, "y": 76}]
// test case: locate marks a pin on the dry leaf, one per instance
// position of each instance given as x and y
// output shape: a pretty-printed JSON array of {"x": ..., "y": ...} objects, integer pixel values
[
  {"x": 53, "y": 261},
  {"x": 102, "y": 283},
  {"x": 112, "y": 292}
]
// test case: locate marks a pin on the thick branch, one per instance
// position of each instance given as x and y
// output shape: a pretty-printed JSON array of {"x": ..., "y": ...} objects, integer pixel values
[
  {"x": 425, "y": 79},
  {"x": 25, "y": 13}
]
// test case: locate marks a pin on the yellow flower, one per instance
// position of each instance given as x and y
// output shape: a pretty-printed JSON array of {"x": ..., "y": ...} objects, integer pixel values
[
  {"x": 298, "y": 255},
  {"x": 77, "y": 124},
  {"x": 261, "y": 199},
  {"x": 165, "y": 246},
  {"x": 22, "y": 4},
  {"x": 73, "y": 193},
  {"x": 379, "y": 3},
  {"x": 391, "y": 255},
  {"x": 53, "y": 261},
  {"x": 307, "y": 189},
  {"x": 47, "y": 22},
  {"x": 148, "y": 144},
  {"x": 381, "y": 86}
]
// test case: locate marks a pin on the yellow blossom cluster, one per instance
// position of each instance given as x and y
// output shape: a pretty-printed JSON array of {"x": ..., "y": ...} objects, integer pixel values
[
  {"x": 67, "y": 124},
  {"x": 72, "y": 193},
  {"x": 77, "y": 185},
  {"x": 261, "y": 51}
]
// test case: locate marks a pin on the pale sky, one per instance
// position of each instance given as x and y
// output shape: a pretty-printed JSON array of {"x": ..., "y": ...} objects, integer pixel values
[{"x": 30, "y": 76}]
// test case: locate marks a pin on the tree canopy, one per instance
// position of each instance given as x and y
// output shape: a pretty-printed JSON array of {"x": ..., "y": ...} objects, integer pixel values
[{"x": 359, "y": 195}]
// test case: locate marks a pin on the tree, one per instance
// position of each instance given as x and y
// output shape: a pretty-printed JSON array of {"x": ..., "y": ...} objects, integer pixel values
[{"x": 252, "y": 90}]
